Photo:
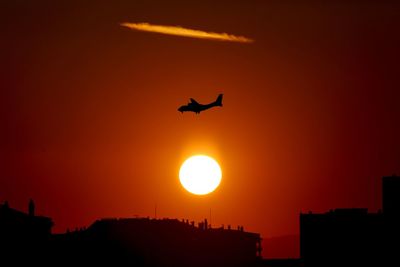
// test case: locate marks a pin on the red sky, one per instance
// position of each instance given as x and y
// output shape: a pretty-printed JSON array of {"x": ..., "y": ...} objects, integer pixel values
[{"x": 89, "y": 126}]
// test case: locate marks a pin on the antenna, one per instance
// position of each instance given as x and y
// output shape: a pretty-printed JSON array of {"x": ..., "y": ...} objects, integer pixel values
[{"x": 155, "y": 211}]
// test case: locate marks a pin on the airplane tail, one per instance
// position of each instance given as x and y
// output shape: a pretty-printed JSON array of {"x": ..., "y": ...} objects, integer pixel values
[{"x": 218, "y": 102}]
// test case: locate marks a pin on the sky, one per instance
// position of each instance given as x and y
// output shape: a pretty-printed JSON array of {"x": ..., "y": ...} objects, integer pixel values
[{"x": 89, "y": 126}]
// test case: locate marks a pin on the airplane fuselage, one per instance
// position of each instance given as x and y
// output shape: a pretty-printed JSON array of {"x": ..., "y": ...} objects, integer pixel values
[{"x": 195, "y": 107}]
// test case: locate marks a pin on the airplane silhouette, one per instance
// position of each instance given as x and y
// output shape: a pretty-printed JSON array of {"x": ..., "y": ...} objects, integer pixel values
[{"x": 196, "y": 107}]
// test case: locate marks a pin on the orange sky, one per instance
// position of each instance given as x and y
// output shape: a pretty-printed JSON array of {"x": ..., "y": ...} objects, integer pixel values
[{"x": 90, "y": 127}]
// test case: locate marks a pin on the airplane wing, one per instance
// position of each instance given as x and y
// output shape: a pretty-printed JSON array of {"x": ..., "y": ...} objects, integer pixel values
[{"x": 193, "y": 101}]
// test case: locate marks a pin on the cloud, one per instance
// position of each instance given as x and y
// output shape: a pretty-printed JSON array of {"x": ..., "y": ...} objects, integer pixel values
[{"x": 185, "y": 32}]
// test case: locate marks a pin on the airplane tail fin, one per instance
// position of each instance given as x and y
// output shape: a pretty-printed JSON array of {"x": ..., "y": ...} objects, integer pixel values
[{"x": 218, "y": 102}]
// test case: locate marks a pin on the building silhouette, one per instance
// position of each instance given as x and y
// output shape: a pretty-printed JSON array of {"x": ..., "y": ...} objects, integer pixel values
[
  {"x": 24, "y": 237},
  {"x": 164, "y": 242},
  {"x": 27, "y": 239},
  {"x": 391, "y": 196},
  {"x": 353, "y": 236},
  {"x": 339, "y": 237},
  {"x": 15, "y": 224}
]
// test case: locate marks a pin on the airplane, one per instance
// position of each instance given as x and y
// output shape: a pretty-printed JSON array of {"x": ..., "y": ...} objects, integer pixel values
[{"x": 196, "y": 107}]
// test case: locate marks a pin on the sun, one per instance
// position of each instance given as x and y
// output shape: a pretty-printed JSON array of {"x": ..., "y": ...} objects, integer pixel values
[{"x": 200, "y": 174}]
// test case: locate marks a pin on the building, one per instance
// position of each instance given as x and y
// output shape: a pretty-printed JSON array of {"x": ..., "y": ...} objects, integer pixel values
[
  {"x": 23, "y": 236},
  {"x": 18, "y": 225},
  {"x": 391, "y": 196},
  {"x": 165, "y": 242},
  {"x": 343, "y": 237},
  {"x": 27, "y": 239}
]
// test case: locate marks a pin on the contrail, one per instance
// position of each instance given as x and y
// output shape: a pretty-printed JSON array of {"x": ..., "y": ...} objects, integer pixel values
[{"x": 180, "y": 31}]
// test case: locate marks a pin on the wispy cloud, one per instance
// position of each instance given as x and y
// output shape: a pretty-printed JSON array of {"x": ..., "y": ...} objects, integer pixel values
[{"x": 185, "y": 32}]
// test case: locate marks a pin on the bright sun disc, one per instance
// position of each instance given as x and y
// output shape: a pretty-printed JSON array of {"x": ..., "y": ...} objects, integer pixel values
[{"x": 200, "y": 175}]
